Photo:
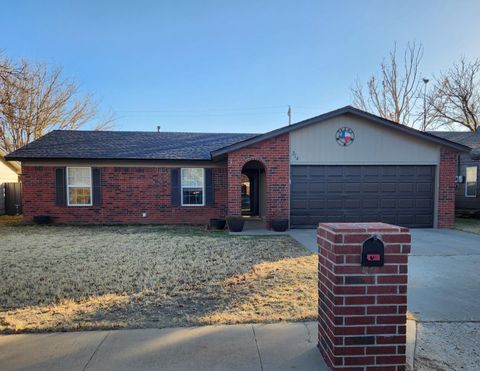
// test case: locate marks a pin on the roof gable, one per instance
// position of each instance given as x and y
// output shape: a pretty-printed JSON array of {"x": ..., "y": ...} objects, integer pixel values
[{"x": 348, "y": 110}]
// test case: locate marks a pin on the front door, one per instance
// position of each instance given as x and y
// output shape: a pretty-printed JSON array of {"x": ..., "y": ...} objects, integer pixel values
[{"x": 251, "y": 192}]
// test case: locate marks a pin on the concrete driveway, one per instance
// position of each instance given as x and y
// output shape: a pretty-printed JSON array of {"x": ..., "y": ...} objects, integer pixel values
[
  {"x": 444, "y": 273},
  {"x": 443, "y": 295}
]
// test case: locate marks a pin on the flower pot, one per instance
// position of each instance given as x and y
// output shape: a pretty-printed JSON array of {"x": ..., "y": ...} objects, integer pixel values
[
  {"x": 42, "y": 219},
  {"x": 235, "y": 223},
  {"x": 279, "y": 225},
  {"x": 217, "y": 223}
]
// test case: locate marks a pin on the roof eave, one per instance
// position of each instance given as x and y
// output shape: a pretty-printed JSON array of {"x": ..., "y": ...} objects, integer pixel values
[
  {"x": 103, "y": 159},
  {"x": 11, "y": 164}
]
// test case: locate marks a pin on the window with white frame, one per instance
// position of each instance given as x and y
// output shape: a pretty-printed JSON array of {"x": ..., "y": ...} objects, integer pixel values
[
  {"x": 193, "y": 187},
  {"x": 471, "y": 182},
  {"x": 79, "y": 186}
]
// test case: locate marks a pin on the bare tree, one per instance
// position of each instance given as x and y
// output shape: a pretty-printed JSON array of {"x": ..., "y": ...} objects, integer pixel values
[
  {"x": 35, "y": 99},
  {"x": 393, "y": 93},
  {"x": 455, "y": 99}
]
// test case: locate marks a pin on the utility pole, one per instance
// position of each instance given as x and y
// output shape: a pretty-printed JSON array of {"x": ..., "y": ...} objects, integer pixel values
[
  {"x": 289, "y": 113},
  {"x": 425, "y": 82}
]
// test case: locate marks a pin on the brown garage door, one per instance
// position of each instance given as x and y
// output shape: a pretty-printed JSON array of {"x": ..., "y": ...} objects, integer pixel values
[{"x": 401, "y": 195}]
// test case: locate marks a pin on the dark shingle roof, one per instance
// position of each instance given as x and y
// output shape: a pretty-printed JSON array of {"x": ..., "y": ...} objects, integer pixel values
[
  {"x": 131, "y": 145},
  {"x": 467, "y": 138},
  {"x": 126, "y": 145}
]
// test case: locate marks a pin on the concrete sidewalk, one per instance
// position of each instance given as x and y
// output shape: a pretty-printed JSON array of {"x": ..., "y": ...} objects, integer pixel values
[{"x": 281, "y": 346}]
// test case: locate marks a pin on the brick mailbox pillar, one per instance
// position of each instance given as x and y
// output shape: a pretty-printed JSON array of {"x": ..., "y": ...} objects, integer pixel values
[{"x": 362, "y": 310}]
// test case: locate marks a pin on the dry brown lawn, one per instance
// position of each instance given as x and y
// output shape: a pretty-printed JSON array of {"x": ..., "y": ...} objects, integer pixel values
[
  {"x": 468, "y": 225},
  {"x": 69, "y": 278}
]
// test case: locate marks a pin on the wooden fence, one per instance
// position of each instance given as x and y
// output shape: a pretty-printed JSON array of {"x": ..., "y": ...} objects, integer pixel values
[{"x": 11, "y": 198}]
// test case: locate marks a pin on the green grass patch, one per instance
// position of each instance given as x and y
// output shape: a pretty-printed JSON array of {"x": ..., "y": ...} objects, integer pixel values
[{"x": 468, "y": 225}]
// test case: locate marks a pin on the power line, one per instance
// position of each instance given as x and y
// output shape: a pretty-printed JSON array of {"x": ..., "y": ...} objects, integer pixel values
[{"x": 217, "y": 110}]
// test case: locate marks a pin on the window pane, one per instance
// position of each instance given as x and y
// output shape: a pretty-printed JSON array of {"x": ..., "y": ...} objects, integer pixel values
[
  {"x": 192, "y": 196},
  {"x": 192, "y": 178},
  {"x": 79, "y": 176},
  {"x": 471, "y": 181},
  {"x": 79, "y": 195},
  {"x": 471, "y": 189}
]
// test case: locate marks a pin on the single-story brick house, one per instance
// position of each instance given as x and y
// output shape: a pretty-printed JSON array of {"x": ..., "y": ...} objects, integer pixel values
[
  {"x": 467, "y": 195},
  {"x": 345, "y": 165}
]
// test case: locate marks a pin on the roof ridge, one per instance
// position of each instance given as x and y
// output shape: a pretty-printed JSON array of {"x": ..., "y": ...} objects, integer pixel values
[
  {"x": 152, "y": 132},
  {"x": 453, "y": 131}
]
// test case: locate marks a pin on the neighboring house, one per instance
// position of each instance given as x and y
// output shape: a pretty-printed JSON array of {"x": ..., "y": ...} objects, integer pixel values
[
  {"x": 345, "y": 165},
  {"x": 467, "y": 195},
  {"x": 9, "y": 172}
]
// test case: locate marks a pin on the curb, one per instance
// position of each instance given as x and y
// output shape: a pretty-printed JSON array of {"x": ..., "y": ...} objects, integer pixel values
[{"x": 411, "y": 343}]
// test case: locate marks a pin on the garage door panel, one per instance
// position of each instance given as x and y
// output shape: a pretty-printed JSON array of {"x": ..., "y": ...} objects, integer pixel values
[
  {"x": 371, "y": 217},
  {"x": 318, "y": 204},
  {"x": 298, "y": 171},
  {"x": 334, "y": 205},
  {"x": 317, "y": 172},
  {"x": 406, "y": 204},
  {"x": 388, "y": 187},
  {"x": 316, "y": 189},
  {"x": 299, "y": 204},
  {"x": 425, "y": 171},
  {"x": 388, "y": 204},
  {"x": 424, "y": 219},
  {"x": 332, "y": 171},
  {"x": 424, "y": 187},
  {"x": 371, "y": 204},
  {"x": 352, "y": 204},
  {"x": 299, "y": 188},
  {"x": 406, "y": 171},
  {"x": 406, "y": 187},
  {"x": 370, "y": 187},
  {"x": 335, "y": 218},
  {"x": 389, "y": 171},
  {"x": 352, "y": 171},
  {"x": 352, "y": 187},
  {"x": 393, "y": 194},
  {"x": 424, "y": 203},
  {"x": 390, "y": 219},
  {"x": 333, "y": 187},
  {"x": 406, "y": 219}
]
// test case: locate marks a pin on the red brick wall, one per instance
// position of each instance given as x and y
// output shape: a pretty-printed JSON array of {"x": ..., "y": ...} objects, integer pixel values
[
  {"x": 127, "y": 192},
  {"x": 362, "y": 310},
  {"x": 446, "y": 191},
  {"x": 274, "y": 155}
]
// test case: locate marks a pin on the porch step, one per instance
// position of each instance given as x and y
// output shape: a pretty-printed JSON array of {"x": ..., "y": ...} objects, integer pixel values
[{"x": 256, "y": 223}]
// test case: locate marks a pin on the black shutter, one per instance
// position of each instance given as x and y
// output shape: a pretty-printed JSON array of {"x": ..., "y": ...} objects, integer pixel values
[
  {"x": 209, "y": 189},
  {"x": 97, "y": 186},
  {"x": 175, "y": 187},
  {"x": 60, "y": 187}
]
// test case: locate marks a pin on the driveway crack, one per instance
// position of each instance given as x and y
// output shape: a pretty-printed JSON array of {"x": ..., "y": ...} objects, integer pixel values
[
  {"x": 95, "y": 351},
  {"x": 258, "y": 349}
]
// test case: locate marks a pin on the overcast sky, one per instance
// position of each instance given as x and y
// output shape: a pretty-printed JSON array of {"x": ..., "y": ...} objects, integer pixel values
[{"x": 230, "y": 66}]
